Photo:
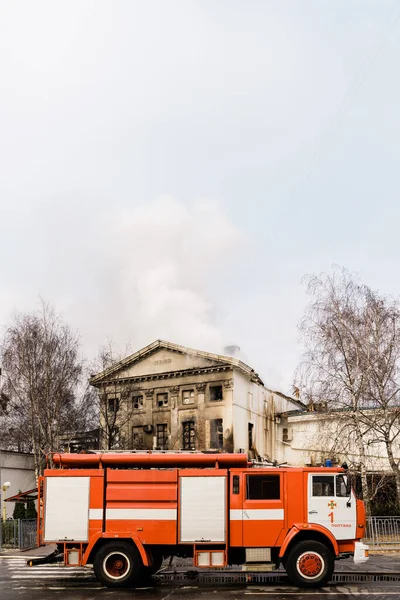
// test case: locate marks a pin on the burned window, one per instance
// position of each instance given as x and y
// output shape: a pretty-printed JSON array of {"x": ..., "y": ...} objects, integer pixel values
[
  {"x": 250, "y": 429},
  {"x": 162, "y": 400},
  {"x": 137, "y": 402},
  {"x": 188, "y": 397},
  {"x": 323, "y": 485},
  {"x": 162, "y": 436},
  {"x": 114, "y": 437},
  {"x": 263, "y": 487},
  {"x": 137, "y": 438},
  {"x": 216, "y": 434},
  {"x": 113, "y": 404},
  {"x": 189, "y": 437},
  {"x": 215, "y": 393}
]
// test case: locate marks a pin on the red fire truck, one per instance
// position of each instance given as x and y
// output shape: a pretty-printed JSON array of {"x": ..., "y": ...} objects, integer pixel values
[{"x": 124, "y": 513}]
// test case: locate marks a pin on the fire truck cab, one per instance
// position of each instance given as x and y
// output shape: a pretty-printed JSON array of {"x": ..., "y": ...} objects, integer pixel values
[{"x": 125, "y": 513}]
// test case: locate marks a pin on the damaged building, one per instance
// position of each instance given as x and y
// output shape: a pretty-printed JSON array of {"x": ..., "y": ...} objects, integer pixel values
[{"x": 170, "y": 397}]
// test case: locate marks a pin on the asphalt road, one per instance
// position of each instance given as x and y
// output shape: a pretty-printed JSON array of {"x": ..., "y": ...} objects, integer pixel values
[{"x": 46, "y": 582}]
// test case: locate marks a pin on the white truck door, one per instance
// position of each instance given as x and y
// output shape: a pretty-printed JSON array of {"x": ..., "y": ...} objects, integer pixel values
[
  {"x": 66, "y": 509},
  {"x": 202, "y": 509},
  {"x": 330, "y": 505}
]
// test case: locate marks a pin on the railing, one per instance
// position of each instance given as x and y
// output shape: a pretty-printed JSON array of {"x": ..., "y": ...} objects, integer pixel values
[
  {"x": 18, "y": 533},
  {"x": 383, "y": 532}
]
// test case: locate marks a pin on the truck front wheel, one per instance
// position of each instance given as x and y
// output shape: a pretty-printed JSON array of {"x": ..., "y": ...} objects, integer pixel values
[
  {"x": 117, "y": 564},
  {"x": 309, "y": 564}
]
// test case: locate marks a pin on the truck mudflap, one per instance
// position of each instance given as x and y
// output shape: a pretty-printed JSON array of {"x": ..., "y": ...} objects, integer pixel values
[{"x": 361, "y": 553}]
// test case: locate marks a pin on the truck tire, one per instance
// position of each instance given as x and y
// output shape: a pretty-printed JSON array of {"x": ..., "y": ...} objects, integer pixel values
[
  {"x": 117, "y": 564},
  {"x": 309, "y": 564}
]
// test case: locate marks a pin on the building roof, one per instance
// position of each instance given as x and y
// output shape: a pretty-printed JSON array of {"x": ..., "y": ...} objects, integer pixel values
[
  {"x": 161, "y": 344},
  {"x": 23, "y": 496}
]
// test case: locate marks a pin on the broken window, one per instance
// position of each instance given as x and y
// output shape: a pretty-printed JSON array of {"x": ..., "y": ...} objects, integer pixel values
[
  {"x": 216, "y": 434},
  {"x": 115, "y": 437},
  {"x": 113, "y": 404},
  {"x": 215, "y": 393},
  {"x": 250, "y": 434},
  {"x": 162, "y": 437},
  {"x": 137, "y": 402},
  {"x": 188, "y": 397},
  {"x": 162, "y": 400},
  {"x": 263, "y": 487},
  {"x": 189, "y": 438},
  {"x": 137, "y": 437}
]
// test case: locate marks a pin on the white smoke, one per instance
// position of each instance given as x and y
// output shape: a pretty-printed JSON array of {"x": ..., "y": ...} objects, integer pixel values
[{"x": 163, "y": 260}]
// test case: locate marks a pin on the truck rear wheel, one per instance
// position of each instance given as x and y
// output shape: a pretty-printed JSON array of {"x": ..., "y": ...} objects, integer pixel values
[
  {"x": 117, "y": 564},
  {"x": 309, "y": 564}
]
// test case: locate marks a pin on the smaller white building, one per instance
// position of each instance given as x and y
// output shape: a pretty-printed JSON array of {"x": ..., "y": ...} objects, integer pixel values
[
  {"x": 312, "y": 437},
  {"x": 17, "y": 468}
]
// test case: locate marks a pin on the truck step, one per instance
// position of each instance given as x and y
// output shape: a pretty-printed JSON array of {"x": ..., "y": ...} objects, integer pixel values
[{"x": 259, "y": 567}]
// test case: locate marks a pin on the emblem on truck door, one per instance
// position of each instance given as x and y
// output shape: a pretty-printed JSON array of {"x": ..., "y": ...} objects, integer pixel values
[{"x": 332, "y": 504}]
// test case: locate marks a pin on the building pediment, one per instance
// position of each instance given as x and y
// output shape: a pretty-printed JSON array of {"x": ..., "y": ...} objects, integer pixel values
[{"x": 164, "y": 357}]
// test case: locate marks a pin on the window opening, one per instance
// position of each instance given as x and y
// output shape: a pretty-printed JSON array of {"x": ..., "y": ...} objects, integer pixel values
[
  {"x": 115, "y": 437},
  {"x": 215, "y": 393},
  {"x": 162, "y": 437},
  {"x": 137, "y": 402},
  {"x": 216, "y": 434},
  {"x": 236, "y": 484},
  {"x": 137, "y": 437},
  {"x": 250, "y": 433},
  {"x": 113, "y": 404},
  {"x": 189, "y": 439},
  {"x": 188, "y": 397},
  {"x": 162, "y": 400},
  {"x": 263, "y": 487}
]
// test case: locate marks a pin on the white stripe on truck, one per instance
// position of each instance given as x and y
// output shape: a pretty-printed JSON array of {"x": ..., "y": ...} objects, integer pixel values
[
  {"x": 256, "y": 514},
  {"x": 145, "y": 514}
]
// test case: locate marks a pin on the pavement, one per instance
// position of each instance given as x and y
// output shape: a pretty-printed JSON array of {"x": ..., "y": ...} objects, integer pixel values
[
  {"x": 384, "y": 561},
  {"x": 39, "y": 552}
]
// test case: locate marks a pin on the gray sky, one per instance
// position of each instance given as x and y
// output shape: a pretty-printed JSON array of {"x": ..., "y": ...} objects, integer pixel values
[{"x": 171, "y": 169}]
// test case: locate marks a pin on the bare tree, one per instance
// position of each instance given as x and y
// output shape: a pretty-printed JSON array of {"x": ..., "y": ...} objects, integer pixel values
[
  {"x": 352, "y": 341},
  {"x": 42, "y": 370},
  {"x": 114, "y": 400},
  {"x": 381, "y": 410}
]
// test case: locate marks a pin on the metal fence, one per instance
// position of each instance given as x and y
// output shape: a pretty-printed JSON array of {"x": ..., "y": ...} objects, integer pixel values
[
  {"x": 18, "y": 533},
  {"x": 383, "y": 532}
]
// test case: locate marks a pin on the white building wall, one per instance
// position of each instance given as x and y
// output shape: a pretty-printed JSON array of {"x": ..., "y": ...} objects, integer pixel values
[
  {"x": 252, "y": 403},
  {"x": 18, "y": 469},
  {"x": 314, "y": 437}
]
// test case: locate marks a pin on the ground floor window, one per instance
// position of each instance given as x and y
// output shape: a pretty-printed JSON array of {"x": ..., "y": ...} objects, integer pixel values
[
  {"x": 250, "y": 436},
  {"x": 137, "y": 438},
  {"x": 216, "y": 434},
  {"x": 162, "y": 437},
  {"x": 189, "y": 436}
]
